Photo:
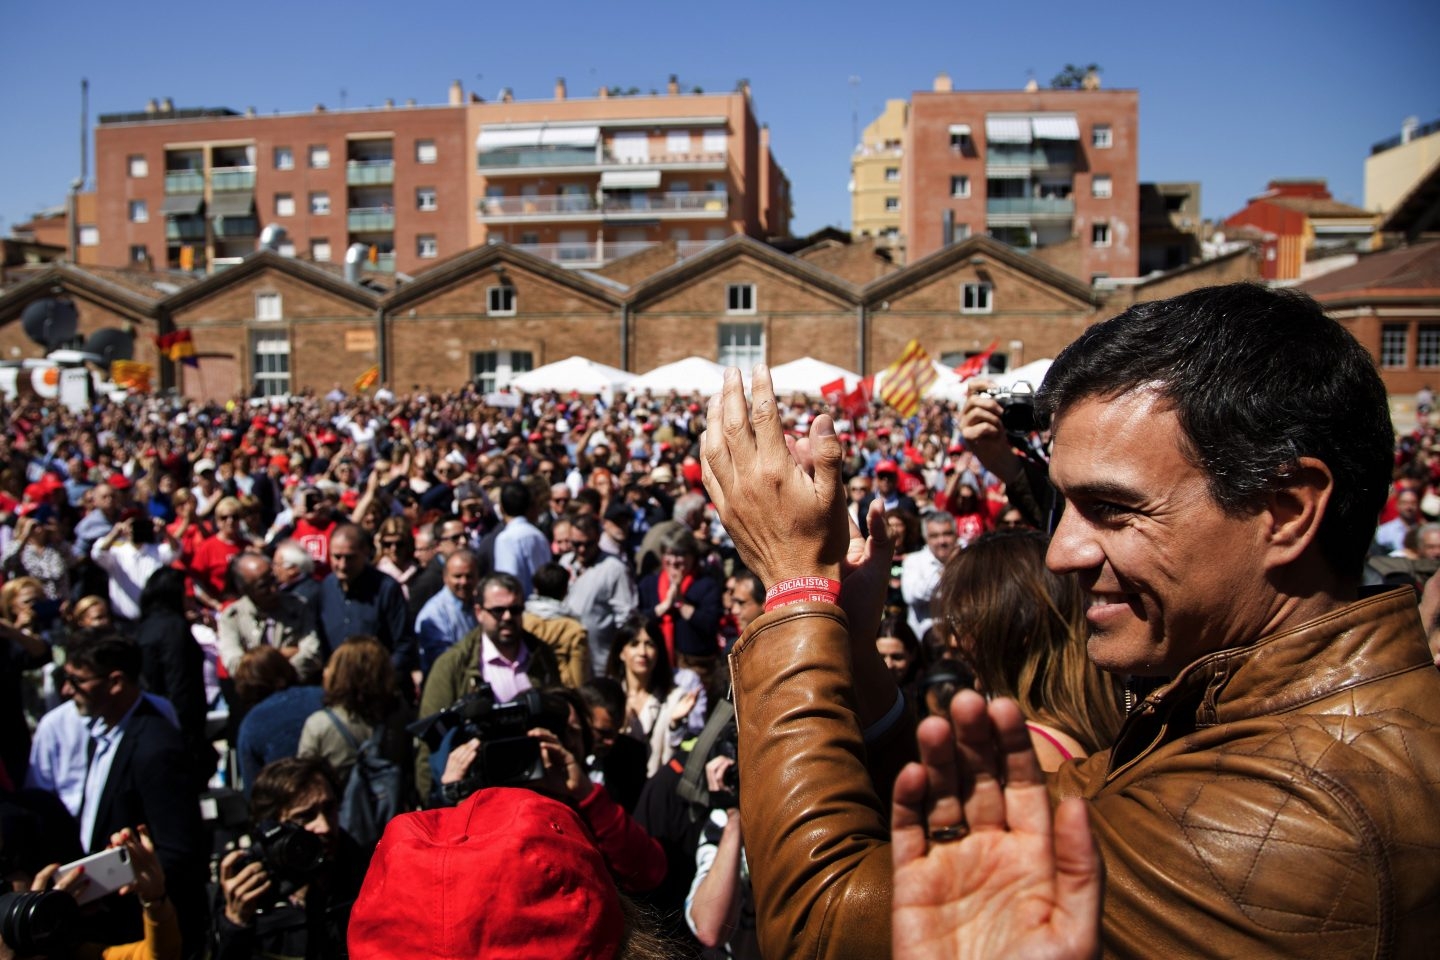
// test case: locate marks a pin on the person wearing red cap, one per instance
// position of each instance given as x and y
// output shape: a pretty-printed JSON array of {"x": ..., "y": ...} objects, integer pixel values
[{"x": 887, "y": 490}]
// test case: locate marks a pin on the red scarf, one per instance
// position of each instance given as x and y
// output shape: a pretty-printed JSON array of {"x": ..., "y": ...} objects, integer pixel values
[{"x": 667, "y": 622}]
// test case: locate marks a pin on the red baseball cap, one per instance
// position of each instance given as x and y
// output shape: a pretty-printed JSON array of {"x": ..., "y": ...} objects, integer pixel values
[
  {"x": 887, "y": 466},
  {"x": 118, "y": 481},
  {"x": 507, "y": 873}
]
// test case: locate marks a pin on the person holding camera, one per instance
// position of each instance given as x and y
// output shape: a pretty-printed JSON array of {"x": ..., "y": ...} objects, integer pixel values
[
  {"x": 290, "y": 892},
  {"x": 130, "y": 552},
  {"x": 720, "y": 908}
]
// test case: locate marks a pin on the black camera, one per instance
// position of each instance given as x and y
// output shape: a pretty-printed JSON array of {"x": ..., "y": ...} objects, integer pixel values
[
  {"x": 508, "y": 756},
  {"x": 290, "y": 854},
  {"x": 1017, "y": 406},
  {"x": 36, "y": 923}
]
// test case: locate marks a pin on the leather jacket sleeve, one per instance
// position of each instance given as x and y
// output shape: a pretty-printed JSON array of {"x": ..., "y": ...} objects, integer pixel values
[{"x": 822, "y": 887}]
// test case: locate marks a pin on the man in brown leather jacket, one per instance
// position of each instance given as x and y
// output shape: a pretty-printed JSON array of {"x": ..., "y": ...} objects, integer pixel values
[{"x": 1222, "y": 457}]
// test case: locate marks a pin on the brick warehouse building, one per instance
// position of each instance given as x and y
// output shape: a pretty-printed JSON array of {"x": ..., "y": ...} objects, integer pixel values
[
  {"x": 579, "y": 181},
  {"x": 274, "y": 324}
]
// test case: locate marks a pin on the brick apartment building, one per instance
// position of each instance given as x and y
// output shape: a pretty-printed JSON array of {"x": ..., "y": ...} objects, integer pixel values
[
  {"x": 579, "y": 182},
  {"x": 1054, "y": 171}
]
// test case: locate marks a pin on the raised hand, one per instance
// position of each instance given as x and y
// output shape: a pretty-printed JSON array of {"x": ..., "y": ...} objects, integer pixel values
[{"x": 982, "y": 869}]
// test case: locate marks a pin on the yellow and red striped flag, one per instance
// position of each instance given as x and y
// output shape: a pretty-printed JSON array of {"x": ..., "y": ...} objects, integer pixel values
[
  {"x": 907, "y": 379},
  {"x": 367, "y": 379}
]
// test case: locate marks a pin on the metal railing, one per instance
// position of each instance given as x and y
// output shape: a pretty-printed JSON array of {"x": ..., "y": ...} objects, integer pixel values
[
  {"x": 538, "y": 157},
  {"x": 550, "y": 205},
  {"x": 184, "y": 181},
  {"x": 364, "y": 173},
  {"x": 588, "y": 253},
  {"x": 1031, "y": 206},
  {"x": 717, "y": 201},
  {"x": 1028, "y": 158},
  {"x": 184, "y": 228},
  {"x": 232, "y": 178},
  {"x": 370, "y": 219},
  {"x": 236, "y": 227}
]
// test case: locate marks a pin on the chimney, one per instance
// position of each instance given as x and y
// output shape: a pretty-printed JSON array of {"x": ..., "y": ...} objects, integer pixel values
[
  {"x": 151, "y": 106},
  {"x": 389, "y": 103},
  {"x": 507, "y": 95},
  {"x": 942, "y": 83},
  {"x": 249, "y": 111},
  {"x": 604, "y": 93},
  {"x": 745, "y": 88},
  {"x": 1408, "y": 128},
  {"x": 410, "y": 103},
  {"x": 167, "y": 105},
  {"x": 1032, "y": 86},
  {"x": 559, "y": 88},
  {"x": 457, "y": 93},
  {"x": 1091, "y": 81},
  {"x": 673, "y": 87}
]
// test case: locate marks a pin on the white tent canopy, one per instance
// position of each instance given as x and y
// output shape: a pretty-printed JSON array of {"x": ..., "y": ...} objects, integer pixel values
[
  {"x": 1032, "y": 372},
  {"x": 691, "y": 375},
  {"x": 574, "y": 374},
  {"x": 807, "y": 375}
]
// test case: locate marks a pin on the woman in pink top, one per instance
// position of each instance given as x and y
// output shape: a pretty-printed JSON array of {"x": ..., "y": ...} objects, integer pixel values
[{"x": 1022, "y": 630}]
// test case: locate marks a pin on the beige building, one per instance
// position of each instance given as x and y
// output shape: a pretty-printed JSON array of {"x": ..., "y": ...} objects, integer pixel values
[
  {"x": 1396, "y": 165},
  {"x": 875, "y": 171}
]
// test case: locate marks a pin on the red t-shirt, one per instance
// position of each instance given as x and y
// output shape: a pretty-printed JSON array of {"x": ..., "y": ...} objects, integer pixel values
[
  {"x": 316, "y": 541},
  {"x": 212, "y": 558}
]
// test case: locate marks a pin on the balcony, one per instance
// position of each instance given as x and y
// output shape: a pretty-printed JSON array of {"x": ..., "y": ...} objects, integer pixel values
[
  {"x": 538, "y": 157},
  {"x": 524, "y": 161},
  {"x": 370, "y": 219},
  {"x": 184, "y": 228},
  {"x": 1031, "y": 207},
  {"x": 1001, "y": 160},
  {"x": 236, "y": 227},
  {"x": 586, "y": 255},
  {"x": 184, "y": 181},
  {"x": 232, "y": 178},
  {"x": 370, "y": 173},
  {"x": 581, "y": 206},
  {"x": 699, "y": 204}
]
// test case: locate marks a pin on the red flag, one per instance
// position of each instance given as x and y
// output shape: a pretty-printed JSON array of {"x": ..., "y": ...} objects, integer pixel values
[
  {"x": 834, "y": 391},
  {"x": 856, "y": 403},
  {"x": 974, "y": 366}
]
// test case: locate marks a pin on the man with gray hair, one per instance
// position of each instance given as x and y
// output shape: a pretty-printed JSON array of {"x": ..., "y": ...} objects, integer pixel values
[
  {"x": 294, "y": 571},
  {"x": 689, "y": 515},
  {"x": 265, "y": 616},
  {"x": 920, "y": 571}
]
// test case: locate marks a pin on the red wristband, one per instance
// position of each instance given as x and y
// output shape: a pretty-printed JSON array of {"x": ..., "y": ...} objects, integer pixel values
[{"x": 802, "y": 590}]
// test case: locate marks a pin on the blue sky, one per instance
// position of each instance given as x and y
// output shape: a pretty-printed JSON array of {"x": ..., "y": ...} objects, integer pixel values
[{"x": 1231, "y": 93}]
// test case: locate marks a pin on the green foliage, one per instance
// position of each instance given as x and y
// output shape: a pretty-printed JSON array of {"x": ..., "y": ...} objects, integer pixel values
[{"x": 1072, "y": 77}]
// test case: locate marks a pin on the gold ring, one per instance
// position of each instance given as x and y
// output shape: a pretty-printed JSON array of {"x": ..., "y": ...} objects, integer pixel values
[{"x": 950, "y": 834}]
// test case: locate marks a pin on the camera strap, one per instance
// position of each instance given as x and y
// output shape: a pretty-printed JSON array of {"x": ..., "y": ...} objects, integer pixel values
[{"x": 692, "y": 785}]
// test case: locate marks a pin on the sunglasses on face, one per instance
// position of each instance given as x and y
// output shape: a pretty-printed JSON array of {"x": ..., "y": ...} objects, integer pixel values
[{"x": 499, "y": 613}]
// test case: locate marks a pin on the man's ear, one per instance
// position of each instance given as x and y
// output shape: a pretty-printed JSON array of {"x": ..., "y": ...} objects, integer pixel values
[{"x": 1295, "y": 510}]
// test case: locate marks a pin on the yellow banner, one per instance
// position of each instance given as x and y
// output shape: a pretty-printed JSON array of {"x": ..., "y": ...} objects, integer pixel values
[
  {"x": 132, "y": 375},
  {"x": 907, "y": 379},
  {"x": 367, "y": 379}
]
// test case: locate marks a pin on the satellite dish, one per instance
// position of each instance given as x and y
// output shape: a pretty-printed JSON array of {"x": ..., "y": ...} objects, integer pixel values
[
  {"x": 50, "y": 321},
  {"x": 272, "y": 237},
  {"x": 110, "y": 344}
]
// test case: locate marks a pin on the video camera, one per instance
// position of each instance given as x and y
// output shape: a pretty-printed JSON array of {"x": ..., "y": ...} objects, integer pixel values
[
  {"x": 509, "y": 756},
  {"x": 1017, "y": 406}
]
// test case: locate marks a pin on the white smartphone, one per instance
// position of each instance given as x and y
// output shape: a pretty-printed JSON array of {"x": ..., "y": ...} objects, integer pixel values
[{"x": 107, "y": 871}]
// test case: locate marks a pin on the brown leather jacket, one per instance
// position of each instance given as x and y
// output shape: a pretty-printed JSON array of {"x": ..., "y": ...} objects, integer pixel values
[{"x": 1278, "y": 799}]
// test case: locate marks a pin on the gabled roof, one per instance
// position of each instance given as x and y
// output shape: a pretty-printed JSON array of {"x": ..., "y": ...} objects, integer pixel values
[
  {"x": 262, "y": 260},
  {"x": 1195, "y": 267},
  {"x": 946, "y": 258},
  {"x": 96, "y": 285},
  {"x": 1403, "y": 272},
  {"x": 1319, "y": 207},
  {"x": 731, "y": 249},
  {"x": 465, "y": 266}
]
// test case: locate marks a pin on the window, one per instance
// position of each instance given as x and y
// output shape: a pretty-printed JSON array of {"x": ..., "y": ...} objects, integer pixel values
[
  {"x": 712, "y": 141},
  {"x": 742, "y": 345},
  {"x": 287, "y": 248},
  {"x": 320, "y": 203},
  {"x": 677, "y": 141},
  {"x": 425, "y": 246},
  {"x": 1100, "y": 186},
  {"x": 962, "y": 232},
  {"x": 139, "y": 212},
  {"x": 1395, "y": 345},
  {"x": 89, "y": 235},
  {"x": 492, "y": 369},
  {"x": 284, "y": 158},
  {"x": 320, "y": 250},
  {"x": 1427, "y": 355},
  {"x": 1100, "y": 234},
  {"x": 892, "y": 174},
  {"x": 976, "y": 298},
  {"x": 268, "y": 306},
  {"x": 425, "y": 151},
  {"x": 271, "y": 364},
  {"x": 139, "y": 253},
  {"x": 1100, "y": 136},
  {"x": 959, "y": 142},
  {"x": 960, "y": 186},
  {"x": 424, "y": 198},
  {"x": 630, "y": 146},
  {"x": 319, "y": 156},
  {"x": 892, "y": 204},
  {"x": 740, "y": 298},
  {"x": 139, "y": 166},
  {"x": 500, "y": 301},
  {"x": 284, "y": 205}
]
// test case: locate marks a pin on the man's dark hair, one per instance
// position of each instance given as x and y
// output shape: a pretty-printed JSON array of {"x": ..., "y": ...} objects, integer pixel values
[
  {"x": 281, "y": 783},
  {"x": 1258, "y": 379},
  {"x": 605, "y": 693},
  {"x": 165, "y": 590},
  {"x": 757, "y": 588},
  {"x": 586, "y": 524},
  {"x": 503, "y": 580},
  {"x": 105, "y": 654},
  {"x": 354, "y": 534},
  {"x": 552, "y": 580},
  {"x": 514, "y": 499}
]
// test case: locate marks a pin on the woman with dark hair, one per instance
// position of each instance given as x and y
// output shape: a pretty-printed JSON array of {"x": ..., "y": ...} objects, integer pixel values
[
  {"x": 1021, "y": 629},
  {"x": 172, "y": 665},
  {"x": 685, "y": 603},
  {"x": 361, "y": 695},
  {"x": 904, "y": 529},
  {"x": 659, "y": 702},
  {"x": 901, "y": 651}
]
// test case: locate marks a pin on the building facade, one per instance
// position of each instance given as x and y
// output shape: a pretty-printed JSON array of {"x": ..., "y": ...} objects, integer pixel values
[
  {"x": 1396, "y": 165},
  {"x": 1298, "y": 224},
  {"x": 578, "y": 182},
  {"x": 876, "y": 184},
  {"x": 1032, "y": 168}
]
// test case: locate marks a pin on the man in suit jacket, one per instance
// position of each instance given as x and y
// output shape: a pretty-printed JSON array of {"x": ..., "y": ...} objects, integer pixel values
[{"x": 138, "y": 773}]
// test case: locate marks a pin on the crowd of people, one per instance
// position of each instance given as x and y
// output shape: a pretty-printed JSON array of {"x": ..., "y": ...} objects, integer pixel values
[{"x": 380, "y": 625}]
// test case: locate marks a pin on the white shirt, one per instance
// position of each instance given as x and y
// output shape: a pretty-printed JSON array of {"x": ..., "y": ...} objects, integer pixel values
[
  {"x": 919, "y": 576},
  {"x": 130, "y": 566}
]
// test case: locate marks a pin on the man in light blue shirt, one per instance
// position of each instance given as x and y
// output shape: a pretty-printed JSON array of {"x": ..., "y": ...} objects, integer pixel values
[
  {"x": 450, "y": 614},
  {"x": 520, "y": 549}
]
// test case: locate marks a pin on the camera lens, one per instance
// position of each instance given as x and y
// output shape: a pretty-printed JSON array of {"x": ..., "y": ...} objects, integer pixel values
[{"x": 38, "y": 923}]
